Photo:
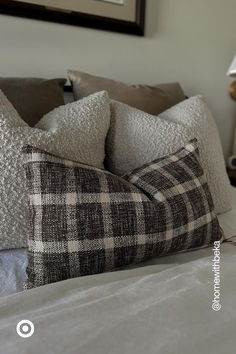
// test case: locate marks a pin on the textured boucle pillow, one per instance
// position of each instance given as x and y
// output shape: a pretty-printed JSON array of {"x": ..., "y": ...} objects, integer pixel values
[
  {"x": 75, "y": 131},
  {"x": 135, "y": 138},
  {"x": 86, "y": 221}
]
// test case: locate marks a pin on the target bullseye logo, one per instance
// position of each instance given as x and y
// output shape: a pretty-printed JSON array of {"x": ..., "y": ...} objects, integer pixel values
[{"x": 25, "y": 328}]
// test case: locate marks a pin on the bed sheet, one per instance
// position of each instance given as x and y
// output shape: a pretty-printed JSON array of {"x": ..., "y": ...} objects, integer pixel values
[
  {"x": 12, "y": 270},
  {"x": 161, "y": 308}
]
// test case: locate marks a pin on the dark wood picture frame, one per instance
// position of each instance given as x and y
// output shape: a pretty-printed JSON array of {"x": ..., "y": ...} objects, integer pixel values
[{"x": 22, "y": 9}]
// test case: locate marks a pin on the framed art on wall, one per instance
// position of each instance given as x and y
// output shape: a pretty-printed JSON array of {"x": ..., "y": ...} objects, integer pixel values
[{"x": 125, "y": 16}]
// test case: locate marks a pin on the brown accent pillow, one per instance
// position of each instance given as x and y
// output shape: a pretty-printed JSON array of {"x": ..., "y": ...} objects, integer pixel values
[
  {"x": 33, "y": 98},
  {"x": 152, "y": 100}
]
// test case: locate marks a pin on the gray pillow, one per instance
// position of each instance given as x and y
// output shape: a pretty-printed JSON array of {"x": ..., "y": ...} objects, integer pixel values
[
  {"x": 135, "y": 138},
  {"x": 153, "y": 100},
  {"x": 33, "y": 98},
  {"x": 76, "y": 131}
]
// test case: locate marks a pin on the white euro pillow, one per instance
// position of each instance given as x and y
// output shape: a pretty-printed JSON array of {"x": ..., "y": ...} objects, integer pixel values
[
  {"x": 76, "y": 131},
  {"x": 135, "y": 138}
]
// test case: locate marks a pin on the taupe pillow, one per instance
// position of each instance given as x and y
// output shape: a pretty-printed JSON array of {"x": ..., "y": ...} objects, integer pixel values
[
  {"x": 152, "y": 100},
  {"x": 33, "y": 98}
]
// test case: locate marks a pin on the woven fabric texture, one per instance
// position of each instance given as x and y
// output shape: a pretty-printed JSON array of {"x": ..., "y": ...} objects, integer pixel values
[{"x": 85, "y": 220}]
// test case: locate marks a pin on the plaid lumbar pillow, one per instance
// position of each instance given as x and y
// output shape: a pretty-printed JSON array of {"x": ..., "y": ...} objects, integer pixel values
[{"x": 85, "y": 220}]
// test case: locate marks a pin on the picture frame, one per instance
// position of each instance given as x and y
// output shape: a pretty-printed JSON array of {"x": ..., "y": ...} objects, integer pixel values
[{"x": 124, "y": 16}]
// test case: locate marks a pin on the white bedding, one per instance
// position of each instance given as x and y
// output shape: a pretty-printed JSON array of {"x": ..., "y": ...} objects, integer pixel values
[
  {"x": 12, "y": 271},
  {"x": 163, "y": 308}
]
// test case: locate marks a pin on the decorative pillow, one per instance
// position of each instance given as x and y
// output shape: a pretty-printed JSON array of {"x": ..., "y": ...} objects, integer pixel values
[
  {"x": 153, "y": 100},
  {"x": 33, "y": 98},
  {"x": 135, "y": 138},
  {"x": 86, "y": 221},
  {"x": 76, "y": 131}
]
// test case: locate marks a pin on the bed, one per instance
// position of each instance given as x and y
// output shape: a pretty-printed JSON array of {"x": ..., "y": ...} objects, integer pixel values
[
  {"x": 125, "y": 311},
  {"x": 161, "y": 306}
]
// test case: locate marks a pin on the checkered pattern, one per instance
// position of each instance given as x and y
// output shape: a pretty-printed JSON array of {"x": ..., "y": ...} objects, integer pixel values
[{"x": 86, "y": 221}]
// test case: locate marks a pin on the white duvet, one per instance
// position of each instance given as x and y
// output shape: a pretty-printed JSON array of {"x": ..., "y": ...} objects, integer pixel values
[
  {"x": 161, "y": 307},
  {"x": 164, "y": 308}
]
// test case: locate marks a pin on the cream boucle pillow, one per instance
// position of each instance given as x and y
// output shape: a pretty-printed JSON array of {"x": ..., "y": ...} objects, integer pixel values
[
  {"x": 136, "y": 138},
  {"x": 76, "y": 131}
]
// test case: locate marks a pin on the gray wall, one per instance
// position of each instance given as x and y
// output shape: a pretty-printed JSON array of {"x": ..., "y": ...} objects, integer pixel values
[{"x": 190, "y": 41}]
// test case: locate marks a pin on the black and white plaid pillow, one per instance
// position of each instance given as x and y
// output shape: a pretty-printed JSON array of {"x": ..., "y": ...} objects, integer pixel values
[{"x": 86, "y": 221}]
